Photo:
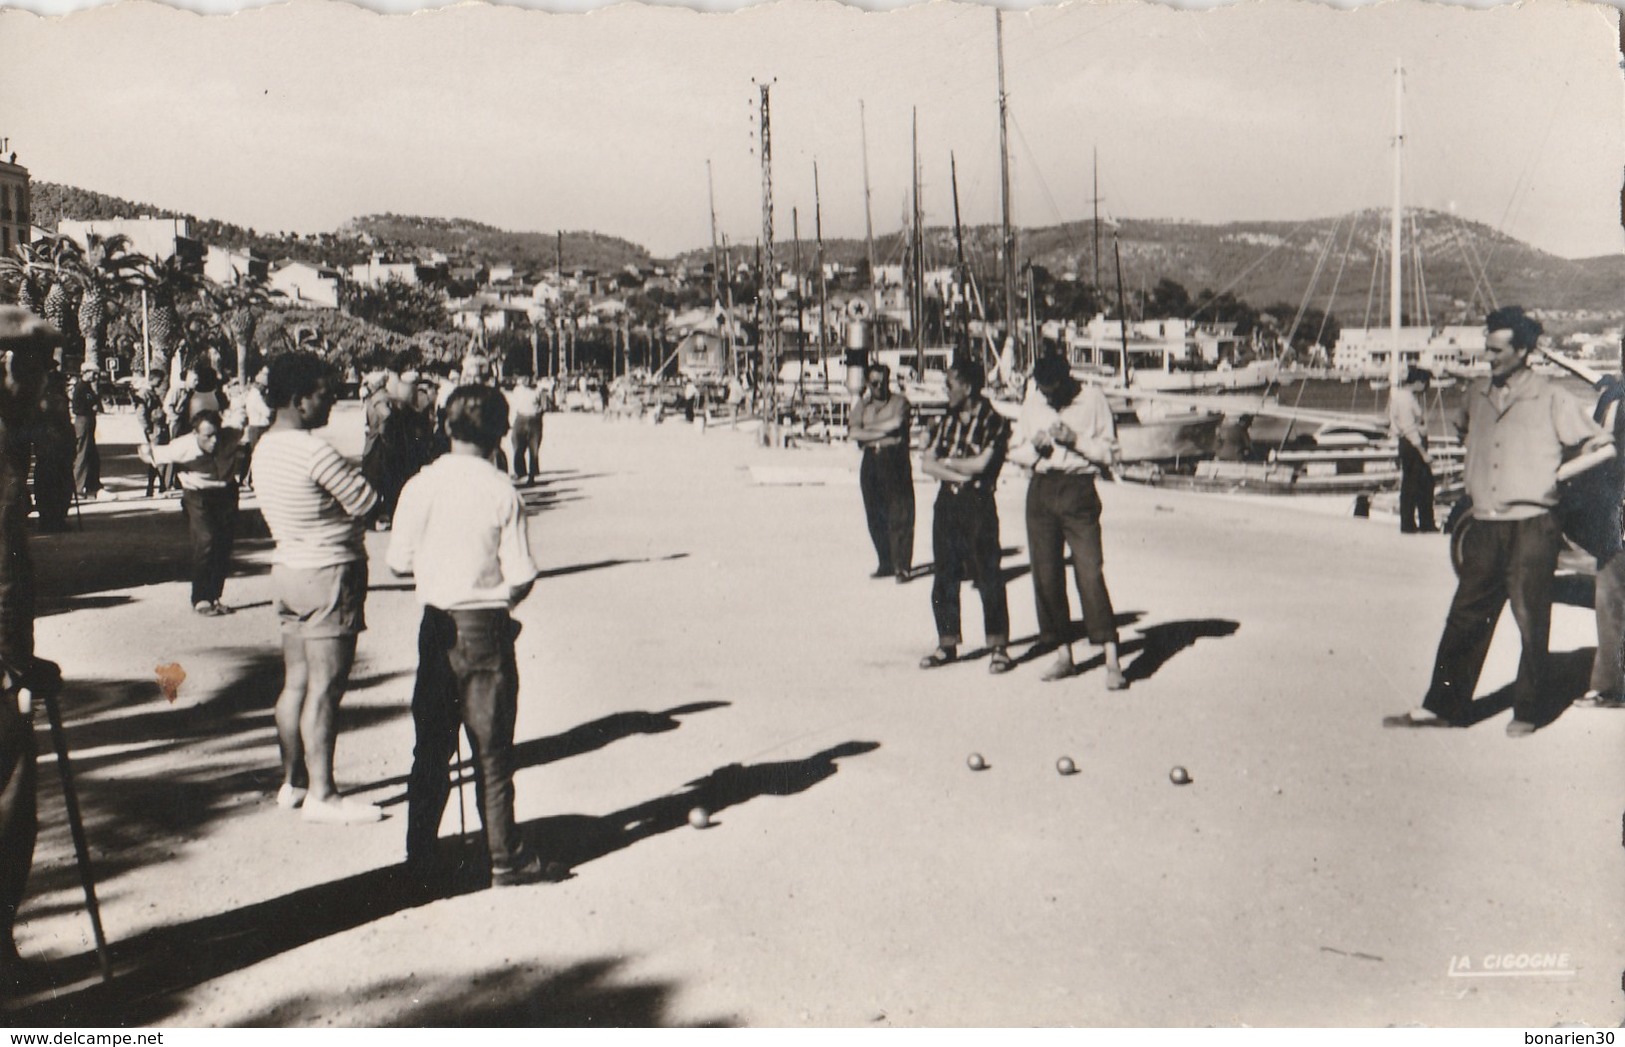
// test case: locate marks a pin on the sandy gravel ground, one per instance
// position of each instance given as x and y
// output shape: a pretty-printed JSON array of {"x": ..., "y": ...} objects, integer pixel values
[{"x": 705, "y": 633}]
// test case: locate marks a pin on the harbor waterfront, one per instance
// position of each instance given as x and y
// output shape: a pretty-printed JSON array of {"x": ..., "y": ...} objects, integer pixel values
[{"x": 704, "y": 633}]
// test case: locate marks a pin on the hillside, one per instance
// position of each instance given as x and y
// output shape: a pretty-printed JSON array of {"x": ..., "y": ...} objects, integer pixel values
[
  {"x": 1260, "y": 262},
  {"x": 473, "y": 242},
  {"x": 1270, "y": 262}
]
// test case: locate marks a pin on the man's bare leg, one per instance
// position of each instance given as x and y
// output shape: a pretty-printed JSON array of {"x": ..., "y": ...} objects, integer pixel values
[
  {"x": 1115, "y": 680},
  {"x": 328, "y": 660},
  {"x": 290, "y": 706}
]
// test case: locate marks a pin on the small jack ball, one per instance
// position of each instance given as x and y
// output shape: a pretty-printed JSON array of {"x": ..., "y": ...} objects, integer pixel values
[
  {"x": 975, "y": 762},
  {"x": 1065, "y": 765},
  {"x": 699, "y": 818},
  {"x": 1179, "y": 776}
]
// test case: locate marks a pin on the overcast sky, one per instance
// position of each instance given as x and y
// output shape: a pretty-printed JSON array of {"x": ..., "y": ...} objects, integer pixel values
[{"x": 299, "y": 117}]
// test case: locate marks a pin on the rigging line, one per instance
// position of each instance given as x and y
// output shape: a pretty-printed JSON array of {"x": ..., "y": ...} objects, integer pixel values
[
  {"x": 1371, "y": 291},
  {"x": 1256, "y": 263},
  {"x": 1474, "y": 297},
  {"x": 1043, "y": 185},
  {"x": 1075, "y": 37},
  {"x": 1482, "y": 273},
  {"x": 1314, "y": 278},
  {"x": 1331, "y": 299},
  {"x": 1420, "y": 276},
  {"x": 1535, "y": 156}
]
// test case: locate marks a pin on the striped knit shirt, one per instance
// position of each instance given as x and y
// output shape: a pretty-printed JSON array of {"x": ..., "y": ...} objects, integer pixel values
[
  {"x": 313, "y": 499},
  {"x": 956, "y": 437}
]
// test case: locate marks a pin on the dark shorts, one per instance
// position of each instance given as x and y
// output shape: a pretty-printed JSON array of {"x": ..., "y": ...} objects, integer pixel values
[{"x": 321, "y": 602}]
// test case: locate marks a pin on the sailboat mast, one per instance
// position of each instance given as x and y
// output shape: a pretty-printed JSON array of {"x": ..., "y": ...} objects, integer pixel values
[
  {"x": 868, "y": 217},
  {"x": 1394, "y": 261},
  {"x": 711, "y": 196},
  {"x": 1004, "y": 192},
  {"x": 963, "y": 308},
  {"x": 1122, "y": 312},
  {"x": 915, "y": 269},
  {"x": 823, "y": 287},
  {"x": 770, "y": 322},
  {"x": 1095, "y": 200}
]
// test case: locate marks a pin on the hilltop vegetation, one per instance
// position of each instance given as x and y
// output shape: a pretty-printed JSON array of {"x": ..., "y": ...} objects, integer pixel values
[{"x": 1342, "y": 259}]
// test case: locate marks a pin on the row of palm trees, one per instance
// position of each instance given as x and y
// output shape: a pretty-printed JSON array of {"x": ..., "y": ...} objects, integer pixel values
[{"x": 81, "y": 288}]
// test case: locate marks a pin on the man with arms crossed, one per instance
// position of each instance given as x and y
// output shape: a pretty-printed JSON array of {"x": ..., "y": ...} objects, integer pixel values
[
  {"x": 879, "y": 424},
  {"x": 965, "y": 451},
  {"x": 460, "y": 530},
  {"x": 315, "y": 503}
]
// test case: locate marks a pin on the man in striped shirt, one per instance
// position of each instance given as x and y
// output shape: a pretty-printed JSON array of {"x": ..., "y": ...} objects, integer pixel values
[
  {"x": 314, "y": 502},
  {"x": 965, "y": 451}
]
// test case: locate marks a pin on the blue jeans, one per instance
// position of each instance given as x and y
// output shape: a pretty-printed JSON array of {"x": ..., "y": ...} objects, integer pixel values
[{"x": 467, "y": 676}]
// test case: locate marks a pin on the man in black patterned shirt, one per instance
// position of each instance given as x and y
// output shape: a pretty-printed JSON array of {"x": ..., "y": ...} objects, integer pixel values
[{"x": 965, "y": 451}]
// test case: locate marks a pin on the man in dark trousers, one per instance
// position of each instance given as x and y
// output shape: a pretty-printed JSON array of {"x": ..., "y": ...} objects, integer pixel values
[
  {"x": 1518, "y": 427},
  {"x": 85, "y": 401},
  {"x": 1596, "y": 500},
  {"x": 208, "y": 460},
  {"x": 25, "y": 345},
  {"x": 1408, "y": 419},
  {"x": 965, "y": 451},
  {"x": 879, "y": 423},
  {"x": 460, "y": 531}
]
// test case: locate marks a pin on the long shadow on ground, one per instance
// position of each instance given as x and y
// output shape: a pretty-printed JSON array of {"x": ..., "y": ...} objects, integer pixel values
[
  {"x": 573, "y": 840},
  {"x": 123, "y": 549},
  {"x": 580, "y": 995},
  {"x": 136, "y": 817},
  {"x": 577, "y": 741},
  {"x": 1568, "y": 674},
  {"x": 1160, "y": 643},
  {"x": 155, "y": 969}
]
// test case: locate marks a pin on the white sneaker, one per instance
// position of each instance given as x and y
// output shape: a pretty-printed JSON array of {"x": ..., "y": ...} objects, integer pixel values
[
  {"x": 290, "y": 796},
  {"x": 340, "y": 812}
]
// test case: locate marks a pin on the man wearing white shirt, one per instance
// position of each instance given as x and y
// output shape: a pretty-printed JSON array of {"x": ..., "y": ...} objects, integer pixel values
[
  {"x": 1065, "y": 435},
  {"x": 525, "y": 428},
  {"x": 460, "y": 530}
]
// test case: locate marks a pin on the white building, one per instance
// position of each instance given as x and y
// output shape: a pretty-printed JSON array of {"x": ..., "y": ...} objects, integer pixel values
[
  {"x": 1442, "y": 350},
  {"x": 225, "y": 266},
  {"x": 377, "y": 271},
  {"x": 307, "y": 284},
  {"x": 153, "y": 237}
]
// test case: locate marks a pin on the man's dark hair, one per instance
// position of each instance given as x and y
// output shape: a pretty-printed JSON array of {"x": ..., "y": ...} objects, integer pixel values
[
  {"x": 1420, "y": 375},
  {"x": 1525, "y": 330},
  {"x": 969, "y": 371},
  {"x": 477, "y": 414},
  {"x": 1051, "y": 369},
  {"x": 294, "y": 375},
  {"x": 157, "y": 375},
  {"x": 876, "y": 366},
  {"x": 210, "y": 416},
  {"x": 403, "y": 361},
  {"x": 207, "y": 380}
]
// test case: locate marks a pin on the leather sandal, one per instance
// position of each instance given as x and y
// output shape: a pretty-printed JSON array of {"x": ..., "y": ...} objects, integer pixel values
[
  {"x": 939, "y": 657},
  {"x": 1001, "y": 662}
]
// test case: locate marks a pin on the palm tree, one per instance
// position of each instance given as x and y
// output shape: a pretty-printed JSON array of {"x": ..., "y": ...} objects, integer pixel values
[
  {"x": 30, "y": 270},
  {"x": 170, "y": 284},
  {"x": 110, "y": 269},
  {"x": 235, "y": 307},
  {"x": 67, "y": 264}
]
